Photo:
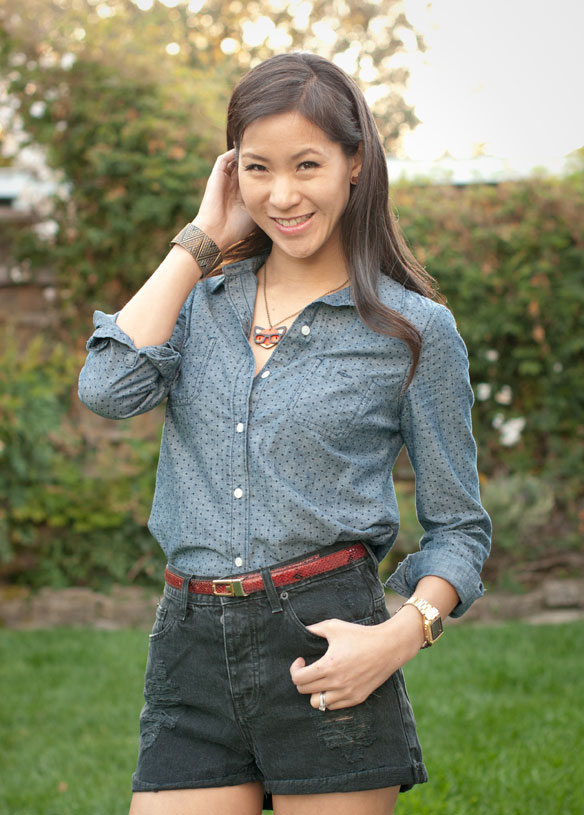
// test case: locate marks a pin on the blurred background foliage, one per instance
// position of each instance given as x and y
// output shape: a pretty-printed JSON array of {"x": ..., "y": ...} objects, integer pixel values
[{"x": 129, "y": 107}]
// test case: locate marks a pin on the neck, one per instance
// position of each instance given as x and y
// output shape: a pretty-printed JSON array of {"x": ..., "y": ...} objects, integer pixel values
[{"x": 313, "y": 275}]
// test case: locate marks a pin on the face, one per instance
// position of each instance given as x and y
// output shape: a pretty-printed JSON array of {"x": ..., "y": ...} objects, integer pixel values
[{"x": 295, "y": 184}]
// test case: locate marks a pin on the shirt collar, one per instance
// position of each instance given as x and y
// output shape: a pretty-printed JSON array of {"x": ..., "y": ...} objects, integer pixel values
[
  {"x": 248, "y": 266},
  {"x": 391, "y": 293}
]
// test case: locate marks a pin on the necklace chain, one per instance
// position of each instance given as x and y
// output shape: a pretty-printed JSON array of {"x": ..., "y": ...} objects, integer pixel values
[{"x": 283, "y": 320}]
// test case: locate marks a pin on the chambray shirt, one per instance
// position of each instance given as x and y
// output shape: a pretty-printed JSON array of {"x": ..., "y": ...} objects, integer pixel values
[{"x": 258, "y": 469}]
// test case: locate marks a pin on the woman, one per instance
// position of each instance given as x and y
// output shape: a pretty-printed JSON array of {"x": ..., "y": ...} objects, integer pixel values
[{"x": 294, "y": 375}]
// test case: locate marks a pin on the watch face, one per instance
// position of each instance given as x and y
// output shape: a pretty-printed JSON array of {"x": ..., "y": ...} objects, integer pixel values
[{"x": 436, "y": 628}]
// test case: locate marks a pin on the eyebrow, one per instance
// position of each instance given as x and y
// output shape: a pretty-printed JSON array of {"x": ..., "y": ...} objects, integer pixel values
[{"x": 306, "y": 150}]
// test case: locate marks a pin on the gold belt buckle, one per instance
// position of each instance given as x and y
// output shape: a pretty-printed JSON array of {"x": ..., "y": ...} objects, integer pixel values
[{"x": 233, "y": 588}]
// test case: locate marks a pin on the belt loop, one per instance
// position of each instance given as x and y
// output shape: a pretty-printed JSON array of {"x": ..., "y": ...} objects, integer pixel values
[
  {"x": 370, "y": 553},
  {"x": 184, "y": 597},
  {"x": 271, "y": 592}
]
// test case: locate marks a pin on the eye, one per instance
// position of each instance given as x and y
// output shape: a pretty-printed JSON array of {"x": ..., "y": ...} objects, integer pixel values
[
  {"x": 308, "y": 165},
  {"x": 254, "y": 167}
]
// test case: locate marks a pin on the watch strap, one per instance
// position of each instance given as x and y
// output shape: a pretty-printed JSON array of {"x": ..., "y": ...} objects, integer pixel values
[{"x": 430, "y": 615}]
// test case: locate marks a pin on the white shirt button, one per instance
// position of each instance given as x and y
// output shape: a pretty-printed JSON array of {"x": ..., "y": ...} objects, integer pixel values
[
  {"x": 238, "y": 561},
  {"x": 305, "y": 330},
  {"x": 238, "y": 493},
  {"x": 239, "y": 427},
  {"x": 265, "y": 373}
]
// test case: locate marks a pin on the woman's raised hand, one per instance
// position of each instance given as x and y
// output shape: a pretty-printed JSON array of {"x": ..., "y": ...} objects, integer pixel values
[{"x": 222, "y": 214}]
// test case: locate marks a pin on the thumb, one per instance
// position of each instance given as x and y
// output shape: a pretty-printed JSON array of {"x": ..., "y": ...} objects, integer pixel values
[{"x": 321, "y": 629}]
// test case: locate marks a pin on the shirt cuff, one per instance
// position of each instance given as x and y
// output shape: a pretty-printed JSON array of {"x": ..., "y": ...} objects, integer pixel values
[
  {"x": 164, "y": 357},
  {"x": 457, "y": 571}
]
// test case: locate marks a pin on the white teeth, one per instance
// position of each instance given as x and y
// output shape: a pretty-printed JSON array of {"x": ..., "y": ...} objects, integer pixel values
[{"x": 292, "y": 221}]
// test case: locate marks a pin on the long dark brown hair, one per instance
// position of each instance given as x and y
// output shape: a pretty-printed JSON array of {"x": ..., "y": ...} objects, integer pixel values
[{"x": 372, "y": 240}]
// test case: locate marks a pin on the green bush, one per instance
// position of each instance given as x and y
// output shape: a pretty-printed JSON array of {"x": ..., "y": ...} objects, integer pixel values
[
  {"x": 70, "y": 512},
  {"x": 32, "y": 390},
  {"x": 510, "y": 260},
  {"x": 522, "y": 504}
]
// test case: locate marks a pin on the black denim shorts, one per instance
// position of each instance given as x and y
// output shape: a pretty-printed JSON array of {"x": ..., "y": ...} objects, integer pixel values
[{"x": 221, "y": 708}]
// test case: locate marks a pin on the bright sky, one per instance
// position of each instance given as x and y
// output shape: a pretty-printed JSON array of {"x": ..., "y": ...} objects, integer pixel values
[
  {"x": 504, "y": 73},
  {"x": 503, "y": 77}
]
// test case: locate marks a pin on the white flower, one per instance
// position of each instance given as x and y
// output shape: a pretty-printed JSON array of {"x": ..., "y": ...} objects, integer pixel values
[
  {"x": 48, "y": 59},
  {"x": 37, "y": 109},
  {"x": 492, "y": 355},
  {"x": 483, "y": 391},
  {"x": 46, "y": 229},
  {"x": 511, "y": 431},
  {"x": 503, "y": 396},
  {"x": 68, "y": 60},
  {"x": 17, "y": 59},
  {"x": 498, "y": 420}
]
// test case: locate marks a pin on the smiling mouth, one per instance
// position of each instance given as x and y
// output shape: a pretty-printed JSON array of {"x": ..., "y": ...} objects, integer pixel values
[{"x": 293, "y": 221}]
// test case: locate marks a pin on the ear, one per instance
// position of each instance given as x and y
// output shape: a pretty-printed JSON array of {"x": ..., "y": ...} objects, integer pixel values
[{"x": 356, "y": 164}]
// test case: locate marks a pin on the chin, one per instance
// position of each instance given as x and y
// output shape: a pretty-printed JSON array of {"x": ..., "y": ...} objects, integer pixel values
[
  {"x": 298, "y": 254},
  {"x": 296, "y": 248}
]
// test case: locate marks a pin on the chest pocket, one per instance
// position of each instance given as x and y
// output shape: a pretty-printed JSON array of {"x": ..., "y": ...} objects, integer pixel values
[
  {"x": 332, "y": 396},
  {"x": 196, "y": 357}
]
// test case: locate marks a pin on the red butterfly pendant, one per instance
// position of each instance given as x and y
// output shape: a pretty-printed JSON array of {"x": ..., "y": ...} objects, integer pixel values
[{"x": 268, "y": 337}]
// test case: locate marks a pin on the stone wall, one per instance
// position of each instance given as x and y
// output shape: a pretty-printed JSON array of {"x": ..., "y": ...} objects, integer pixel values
[{"x": 554, "y": 601}]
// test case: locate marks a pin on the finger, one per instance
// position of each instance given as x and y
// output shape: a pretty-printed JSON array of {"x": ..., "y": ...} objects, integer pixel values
[
  {"x": 226, "y": 161},
  {"x": 330, "y": 700},
  {"x": 333, "y": 700},
  {"x": 315, "y": 700},
  {"x": 314, "y": 684},
  {"x": 228, "y": 155},
  {"x": 316, "y": 687},
  {"x": 304, "y": 675},
  {"x": 295, "y": 667}
]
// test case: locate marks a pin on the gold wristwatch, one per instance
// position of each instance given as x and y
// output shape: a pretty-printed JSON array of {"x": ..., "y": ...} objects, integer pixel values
[{"x": 432, "y": 620}]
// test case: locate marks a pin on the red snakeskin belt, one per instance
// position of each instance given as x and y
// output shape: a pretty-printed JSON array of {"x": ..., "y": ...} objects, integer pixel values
[{"x": 282, "y": 576}]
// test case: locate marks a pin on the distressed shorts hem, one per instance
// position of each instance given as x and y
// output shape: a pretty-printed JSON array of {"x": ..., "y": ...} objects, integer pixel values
[
  {"x": 198, "y": 783},
  {"x": 378, "y": 778}
]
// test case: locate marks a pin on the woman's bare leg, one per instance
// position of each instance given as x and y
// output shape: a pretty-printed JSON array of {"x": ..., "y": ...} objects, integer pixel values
[
  {"x": 365, "y": 802},
  {"x": 244, "y": 799}
]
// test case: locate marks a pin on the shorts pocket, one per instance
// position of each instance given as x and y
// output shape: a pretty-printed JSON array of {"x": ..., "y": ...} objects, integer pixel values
[
  {"x": 165, "y": 619},
  {"x": 369, "y": 620},
  {"x": 346, "y": 597}
]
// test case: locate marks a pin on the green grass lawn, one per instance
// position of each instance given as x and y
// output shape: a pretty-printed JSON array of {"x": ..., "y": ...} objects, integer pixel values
[{"x": 499, "y": 713}]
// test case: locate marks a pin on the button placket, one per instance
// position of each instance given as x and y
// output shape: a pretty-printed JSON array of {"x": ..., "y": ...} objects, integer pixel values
[{"x": 239, "y": 481}]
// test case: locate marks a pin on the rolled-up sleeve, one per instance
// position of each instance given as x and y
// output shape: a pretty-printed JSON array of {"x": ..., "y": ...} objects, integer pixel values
[
  {"x": 436, "y": 427},
  {"x": 119, "y": 380}
]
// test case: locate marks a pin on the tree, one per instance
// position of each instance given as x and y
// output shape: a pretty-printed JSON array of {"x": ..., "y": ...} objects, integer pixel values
[{"x": 129, "y": 106}]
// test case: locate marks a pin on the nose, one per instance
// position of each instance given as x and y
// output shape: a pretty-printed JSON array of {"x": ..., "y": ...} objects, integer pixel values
[{"x": 284, "y": 192}]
